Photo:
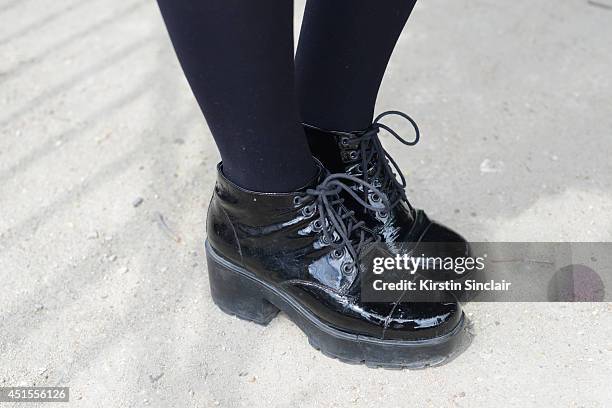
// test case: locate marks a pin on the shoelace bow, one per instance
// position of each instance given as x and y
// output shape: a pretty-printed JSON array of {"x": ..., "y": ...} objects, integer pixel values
[
  {"x": 353, "y": 234},
  {"x": 372, "y": 151}
]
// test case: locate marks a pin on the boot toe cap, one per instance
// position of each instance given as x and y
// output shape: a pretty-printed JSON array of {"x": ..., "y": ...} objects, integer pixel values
[{"x": 432, "y": 320}]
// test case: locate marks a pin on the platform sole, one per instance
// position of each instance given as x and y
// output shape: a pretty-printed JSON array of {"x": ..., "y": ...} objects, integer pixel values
[{"x": 238, "y": 292}]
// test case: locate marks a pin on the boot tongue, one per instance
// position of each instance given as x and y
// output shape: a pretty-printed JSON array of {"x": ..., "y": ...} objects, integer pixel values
[
  {"x": 326, "y": 148},
  {"x": 342, "y": 153}
]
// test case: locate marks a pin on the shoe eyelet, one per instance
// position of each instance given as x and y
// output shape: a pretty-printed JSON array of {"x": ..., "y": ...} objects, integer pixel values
[
  {"x": 344, "y": 141},
  {"x": 382, "y": 214},
  {"x": 353, "y": 155},
  {"x": 308, "y": 211},
  {"x": 347, "y": 268},
  {"x": 375, "y": 198},
  {"x": 297, "y": 200},
  {"x": 337, "y": 253},
  {"x": 317, "y": 226},
  {"x": 325, "y": 240},
  {"x": 359, "y": 168}
]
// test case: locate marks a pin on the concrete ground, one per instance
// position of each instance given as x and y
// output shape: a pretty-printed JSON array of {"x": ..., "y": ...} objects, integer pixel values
[{"x": 106, "y": 169}]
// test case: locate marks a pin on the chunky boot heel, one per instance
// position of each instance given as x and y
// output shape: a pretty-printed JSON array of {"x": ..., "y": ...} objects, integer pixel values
[{"x": 238, "y": 295}]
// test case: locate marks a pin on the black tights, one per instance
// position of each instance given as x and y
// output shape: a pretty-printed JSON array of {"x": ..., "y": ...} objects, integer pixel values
[{"x": 238, "y": 58}]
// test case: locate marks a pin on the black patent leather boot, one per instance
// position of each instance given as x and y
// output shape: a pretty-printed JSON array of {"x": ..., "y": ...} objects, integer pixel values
[
  {"x": 302, "y": 252},
  {"x": 408, "y": 230}
]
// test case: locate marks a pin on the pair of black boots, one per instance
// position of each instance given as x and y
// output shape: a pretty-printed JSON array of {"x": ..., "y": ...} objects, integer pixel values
[{"x": 301, "y": 252}]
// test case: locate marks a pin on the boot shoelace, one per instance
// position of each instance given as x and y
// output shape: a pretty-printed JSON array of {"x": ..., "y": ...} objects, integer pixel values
[
  {"x": 373, "y": 153},
  {"x": 333, "y": 216}
]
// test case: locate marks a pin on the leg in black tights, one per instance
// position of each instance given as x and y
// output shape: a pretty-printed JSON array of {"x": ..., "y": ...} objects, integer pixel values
[
  {"x": 238, "y": 58},
  {"x": 343, "y": 51}
]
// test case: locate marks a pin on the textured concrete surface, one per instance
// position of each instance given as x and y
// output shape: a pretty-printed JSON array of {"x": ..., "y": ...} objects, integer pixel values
[{"x": 106, "y": 168}]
